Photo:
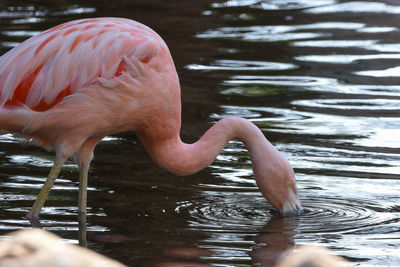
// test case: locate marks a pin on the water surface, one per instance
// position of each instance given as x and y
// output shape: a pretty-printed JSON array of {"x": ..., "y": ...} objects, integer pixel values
[{"x": 320, "y": 78}]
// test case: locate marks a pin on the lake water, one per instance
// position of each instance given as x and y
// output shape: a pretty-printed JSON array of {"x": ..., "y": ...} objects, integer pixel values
[{"x": 320, "y": 78}]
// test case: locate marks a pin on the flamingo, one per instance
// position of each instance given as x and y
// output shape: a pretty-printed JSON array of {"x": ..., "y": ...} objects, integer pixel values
[{"x": 68, "y": 87}]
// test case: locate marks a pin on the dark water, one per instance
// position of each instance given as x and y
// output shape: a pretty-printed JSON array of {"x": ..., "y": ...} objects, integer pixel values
[{"x": 320, "y": 78}]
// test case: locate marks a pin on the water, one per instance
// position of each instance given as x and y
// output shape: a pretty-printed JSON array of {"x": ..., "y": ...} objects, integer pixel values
[{"x": 320, "y": 78}]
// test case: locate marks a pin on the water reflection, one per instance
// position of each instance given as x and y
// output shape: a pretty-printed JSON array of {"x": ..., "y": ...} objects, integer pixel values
[
  {"x": 345, "y": 59},
  {"x": 351, "y": 104},
  {"x": 274, "y": 241},
  {"x": 274, "y": 4},
  {"x": 359, "y": 44},
  {"x": 391, "y": 72},
  {"x": 242, "y": 65},
  {"x": 356, "y": 6}
]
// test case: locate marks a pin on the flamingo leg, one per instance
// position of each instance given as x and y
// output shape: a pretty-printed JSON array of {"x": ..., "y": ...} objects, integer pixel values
[
  {"x": 82, "y": 229},
  {"x": 44, "y": 192},
  {"x": 83, "y": 182},
  {"x": 83, "y": 157}
]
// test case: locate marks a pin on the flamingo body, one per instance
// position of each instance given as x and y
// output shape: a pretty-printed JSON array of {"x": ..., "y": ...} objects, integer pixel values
[
  {"x": 41, "y": 71},
  {"x": 73, "y": 84}
]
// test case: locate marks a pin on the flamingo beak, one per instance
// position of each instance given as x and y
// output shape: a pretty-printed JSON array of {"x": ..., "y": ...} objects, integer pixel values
[{"x": 292, "y": 206}]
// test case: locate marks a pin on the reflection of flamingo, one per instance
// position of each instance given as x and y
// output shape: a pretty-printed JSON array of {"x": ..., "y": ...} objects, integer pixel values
[
  {"x": 73, "y": 84},
  {"x": 274, "y": 240},
  {"x": 275, "y": 246}
]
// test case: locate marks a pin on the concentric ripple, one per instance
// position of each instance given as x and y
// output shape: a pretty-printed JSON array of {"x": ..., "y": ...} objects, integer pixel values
[
  {"x": 320, "y": 215},
  {"x": 338, "y": 216},
  {"x": 217, "y": 214}
]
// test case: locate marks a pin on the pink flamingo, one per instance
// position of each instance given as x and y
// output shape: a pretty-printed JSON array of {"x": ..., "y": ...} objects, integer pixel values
[{"x": 68, "y": 87}]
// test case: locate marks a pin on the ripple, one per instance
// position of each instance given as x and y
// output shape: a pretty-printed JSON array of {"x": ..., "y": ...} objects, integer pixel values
[
  {"x": 321, "y": 215},
  {"x": 18, "y": 14},
  {"x": 344, "y": 59},
  {"x": 356, "y": 6},
  {"x": 383, "y": 137},
  {"x": 303, "y": 81},
  {"x": 74, "y": 9},
  {"x": 242, "y": 65},
  {"x": 250, "y": 85},
  {"x": 378, "y": 29},
  {"x": 338, "y": 216},
  {"x": 38, "y": 161},
  {"x": 27, "y": 20},
  {"x": 351, "y": 104},
  {"x": 10, "y": 138},
  {"x": 373, "y": 45},
  {"x": 26, "y": 34},
  {"x": 391, "y": 72},
  {"x": 279, "y": 32},
  {"x": 273, "y": 4},
  {"x": 222, "y": 214},
  {"x": 9, "y": 44},
  {"x": 335, "y": 43}
]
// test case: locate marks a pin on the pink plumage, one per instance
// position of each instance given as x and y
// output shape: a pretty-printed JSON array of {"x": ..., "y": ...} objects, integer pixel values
[
  {"x": 73, "y": 84},
  {"x": 62, "y": 60}
]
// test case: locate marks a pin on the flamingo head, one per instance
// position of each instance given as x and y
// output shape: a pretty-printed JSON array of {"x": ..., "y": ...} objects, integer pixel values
[{"x": 277, "y": 183}]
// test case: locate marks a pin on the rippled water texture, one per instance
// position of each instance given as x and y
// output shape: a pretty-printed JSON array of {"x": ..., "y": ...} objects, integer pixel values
[{"x": 320, "y": 78}]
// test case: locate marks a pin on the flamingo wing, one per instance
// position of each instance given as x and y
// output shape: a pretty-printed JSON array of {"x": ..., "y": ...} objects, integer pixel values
[{"x": 44, "y": 69}]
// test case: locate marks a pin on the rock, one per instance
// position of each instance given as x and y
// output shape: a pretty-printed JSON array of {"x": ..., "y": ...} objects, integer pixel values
[
  {"x": 36, "y": 247},
  {"x": 312, "y": 256}
]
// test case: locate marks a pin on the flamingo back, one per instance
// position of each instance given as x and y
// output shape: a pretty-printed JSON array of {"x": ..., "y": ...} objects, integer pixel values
[{"x": 44, "y": 69}]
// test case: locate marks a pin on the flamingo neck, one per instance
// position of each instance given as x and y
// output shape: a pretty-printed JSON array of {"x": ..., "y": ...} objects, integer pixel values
[{"x": 185, "y": 159}]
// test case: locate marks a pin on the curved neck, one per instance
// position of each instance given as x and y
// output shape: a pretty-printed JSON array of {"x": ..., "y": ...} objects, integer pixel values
[{"x": 184, "y": 159}]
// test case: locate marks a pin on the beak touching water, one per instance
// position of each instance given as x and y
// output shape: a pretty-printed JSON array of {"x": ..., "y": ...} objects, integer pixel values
[{"x": 292, "y": 206}]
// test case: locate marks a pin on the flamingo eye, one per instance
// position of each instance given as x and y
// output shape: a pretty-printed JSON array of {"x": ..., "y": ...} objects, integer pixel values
[{"x": 290, "y": 184}]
